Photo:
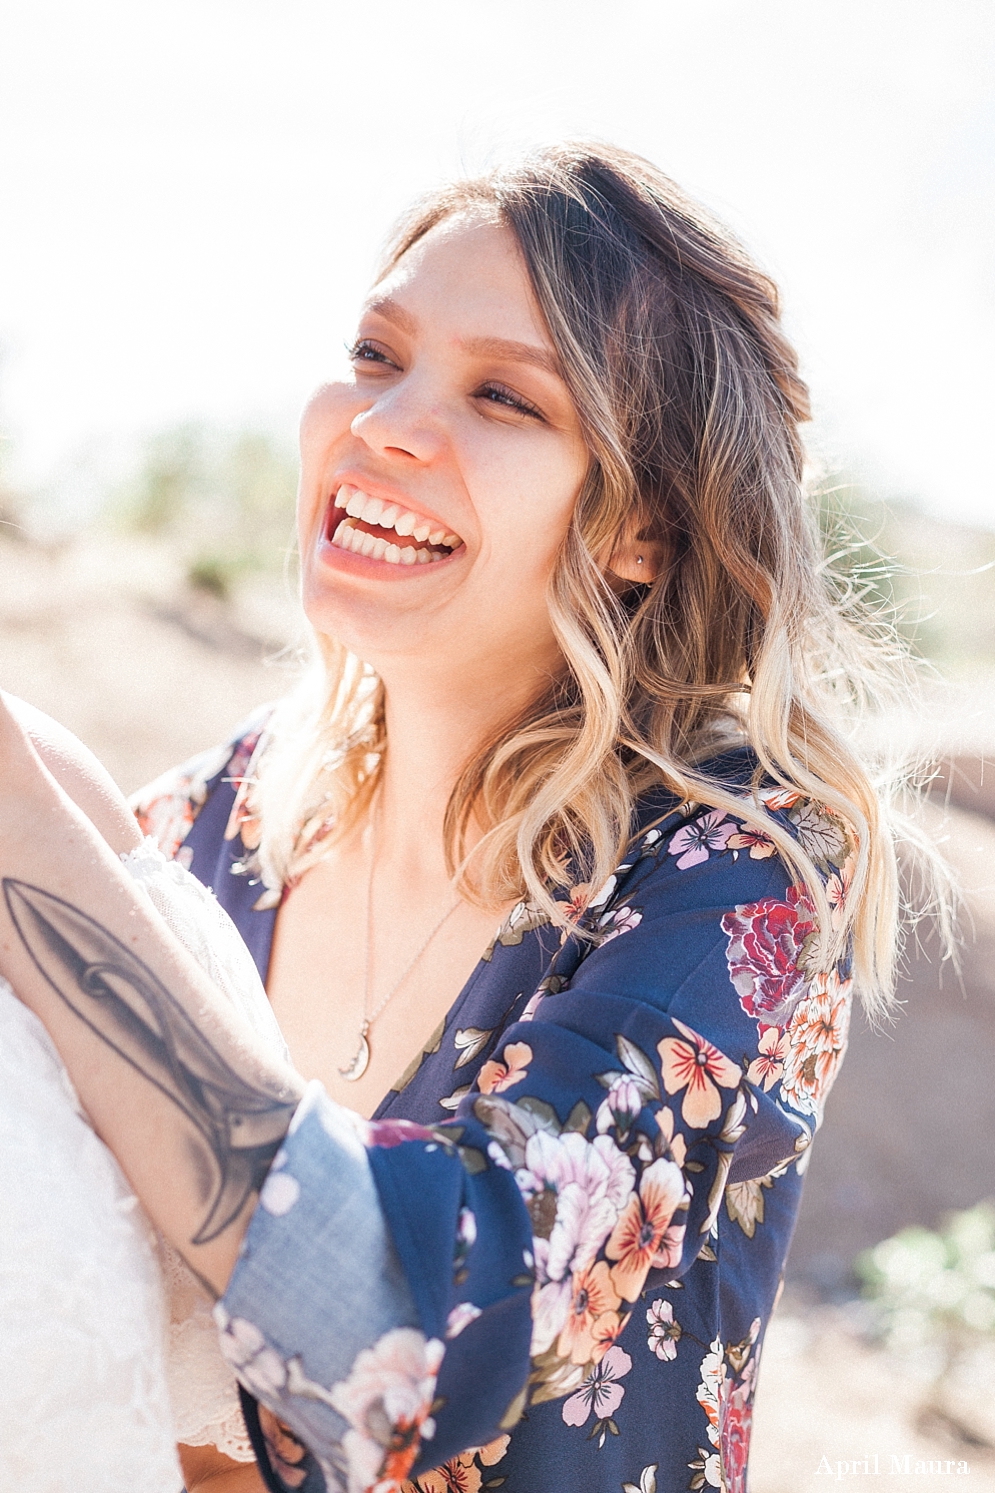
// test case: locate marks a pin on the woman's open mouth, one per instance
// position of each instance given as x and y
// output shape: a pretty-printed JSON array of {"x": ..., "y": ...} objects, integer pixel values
[{"x": 386, "y": 531}]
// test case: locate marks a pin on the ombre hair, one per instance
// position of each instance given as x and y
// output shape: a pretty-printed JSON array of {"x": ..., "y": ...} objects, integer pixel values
[{"x": 690, "y": 399}]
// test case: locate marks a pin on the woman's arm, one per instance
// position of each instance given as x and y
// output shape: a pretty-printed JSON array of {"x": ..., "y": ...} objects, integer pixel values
[
  {"x": 78, "y": 773},
  {"x": 192, "y": 1105}
]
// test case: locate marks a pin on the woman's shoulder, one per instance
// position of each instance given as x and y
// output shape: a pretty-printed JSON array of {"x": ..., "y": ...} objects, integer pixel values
[
  {"x": 708, "y": 921},
  {"x": 716, "y": 873},
  {"x": 682, "y": 837},
  {"x": 167, "y": 808}
]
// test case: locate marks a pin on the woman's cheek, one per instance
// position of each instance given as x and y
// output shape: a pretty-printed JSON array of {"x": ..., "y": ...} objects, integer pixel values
[{"x": 327, "y": 418}]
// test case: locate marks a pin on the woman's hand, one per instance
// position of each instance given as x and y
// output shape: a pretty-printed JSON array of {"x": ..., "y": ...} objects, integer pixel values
[{"x": 189, "y": 1101}]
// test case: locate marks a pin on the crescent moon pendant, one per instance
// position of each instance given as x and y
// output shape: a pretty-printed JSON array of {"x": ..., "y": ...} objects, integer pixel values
[{"x": 359, "y": 1064}]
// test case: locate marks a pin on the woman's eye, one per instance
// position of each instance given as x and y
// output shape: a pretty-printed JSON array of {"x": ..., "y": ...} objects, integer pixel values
[
  {"x": 368, "y": 352},
  {"x": 498, "y": 394}
]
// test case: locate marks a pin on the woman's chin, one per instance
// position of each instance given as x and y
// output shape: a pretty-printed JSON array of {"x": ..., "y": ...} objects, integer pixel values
[{"x": 379, "y": 610}]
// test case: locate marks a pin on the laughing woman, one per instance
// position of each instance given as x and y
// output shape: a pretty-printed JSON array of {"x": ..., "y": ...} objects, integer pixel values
[{"x": 578, "y": 677}]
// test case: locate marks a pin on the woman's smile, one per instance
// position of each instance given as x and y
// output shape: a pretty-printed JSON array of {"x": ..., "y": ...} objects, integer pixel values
[{"x": 385, "y": 530}]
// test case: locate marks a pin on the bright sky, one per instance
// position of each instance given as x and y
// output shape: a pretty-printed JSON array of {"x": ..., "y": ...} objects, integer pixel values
[{"x": 193, "y": 191}]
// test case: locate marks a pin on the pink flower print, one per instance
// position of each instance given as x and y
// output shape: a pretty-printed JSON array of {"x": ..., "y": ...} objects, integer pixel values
[
  {"x": 664, "y": 1333},
  {"x": 495, "y": 1076},
  {"x": 387, "y": 1400},
  {"x": 621, "y": 1108},
  {"x": 390, "y": 1133},
  {"x": 461, "y": 1316},
  {"x": 600, "y": 1391},
  {"x": 533, "y": 1004},
  {"x": 258, "y": 1365},
  {"x": 574, "y": 1191},
  {"x": 696, "y": 1066},
  {"x": 766, "y": 954},
  {"x": 693, "y": 842},
  {"x": 760, "y": 846},
  {"x": 768, "y": 1067},
  {"x": 622, "y": 920},
  {"x": 838, "y": 889}
]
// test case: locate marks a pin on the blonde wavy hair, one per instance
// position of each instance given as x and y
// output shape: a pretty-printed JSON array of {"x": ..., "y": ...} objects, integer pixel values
[{"x": 669, "y": 339}]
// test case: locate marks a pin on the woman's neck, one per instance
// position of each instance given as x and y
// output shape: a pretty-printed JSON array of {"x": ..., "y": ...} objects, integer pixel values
[{"x": 432, "y": 732}]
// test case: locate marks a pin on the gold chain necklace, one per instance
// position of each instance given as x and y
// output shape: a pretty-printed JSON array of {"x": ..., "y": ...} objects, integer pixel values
[{"x": 361, "y": 1061}]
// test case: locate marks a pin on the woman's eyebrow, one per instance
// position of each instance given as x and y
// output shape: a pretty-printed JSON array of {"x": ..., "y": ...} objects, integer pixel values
[
  {"x": 486, "y": 347},
  {"x": 389, "y": 309},
  {"x": 516, "y": 352}
]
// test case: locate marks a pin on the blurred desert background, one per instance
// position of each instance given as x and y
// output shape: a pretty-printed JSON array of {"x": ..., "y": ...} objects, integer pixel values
[{"x": 193, "y": 195}]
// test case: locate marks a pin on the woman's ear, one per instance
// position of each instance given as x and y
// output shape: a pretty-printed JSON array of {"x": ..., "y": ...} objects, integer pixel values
[{"x": 638, "y": 560}]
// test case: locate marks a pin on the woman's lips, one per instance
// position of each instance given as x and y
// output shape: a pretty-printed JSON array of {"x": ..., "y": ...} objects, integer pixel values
[{"x": 386, "y": 531}]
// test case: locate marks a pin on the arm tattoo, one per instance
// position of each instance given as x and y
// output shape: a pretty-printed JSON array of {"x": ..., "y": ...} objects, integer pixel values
[{"x": 241, "y": 1124}]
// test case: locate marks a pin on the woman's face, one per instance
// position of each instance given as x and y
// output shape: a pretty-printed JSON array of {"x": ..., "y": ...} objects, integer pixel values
[{"x": 438, "y": 480}]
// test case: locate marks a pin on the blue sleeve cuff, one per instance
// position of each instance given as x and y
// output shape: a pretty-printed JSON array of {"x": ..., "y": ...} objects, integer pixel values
[{"x": 318, "y": 1321}]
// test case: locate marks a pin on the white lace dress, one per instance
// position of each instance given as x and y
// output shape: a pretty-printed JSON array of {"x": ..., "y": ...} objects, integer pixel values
[{"x": 109, "y": 1353}]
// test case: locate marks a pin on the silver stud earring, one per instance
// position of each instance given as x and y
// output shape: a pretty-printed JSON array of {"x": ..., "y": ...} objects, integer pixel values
[{"x": 639, "y": 559}]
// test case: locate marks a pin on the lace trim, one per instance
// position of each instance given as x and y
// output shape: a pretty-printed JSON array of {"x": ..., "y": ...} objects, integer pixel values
[{"x": 202, "y": 1387}]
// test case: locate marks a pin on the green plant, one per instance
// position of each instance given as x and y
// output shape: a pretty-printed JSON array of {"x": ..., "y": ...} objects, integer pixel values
[
  {"x": 224, "y": 499},
  {"x": 935, "y": 1285}
]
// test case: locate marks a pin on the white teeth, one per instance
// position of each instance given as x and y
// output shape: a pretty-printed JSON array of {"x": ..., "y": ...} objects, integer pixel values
[{"x": 372, "y": 511}]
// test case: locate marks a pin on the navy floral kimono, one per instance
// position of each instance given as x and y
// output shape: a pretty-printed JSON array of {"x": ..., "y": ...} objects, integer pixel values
[{"x": 549, "y": 1259}]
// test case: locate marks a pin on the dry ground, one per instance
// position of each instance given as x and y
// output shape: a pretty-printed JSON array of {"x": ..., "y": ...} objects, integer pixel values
[{"x": 104, "y": 637}]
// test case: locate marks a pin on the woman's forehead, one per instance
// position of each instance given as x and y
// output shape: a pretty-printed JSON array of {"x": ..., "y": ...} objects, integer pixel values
[{"x": 469, "y": 269}]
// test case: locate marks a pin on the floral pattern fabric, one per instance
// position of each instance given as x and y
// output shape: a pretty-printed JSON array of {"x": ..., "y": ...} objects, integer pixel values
[{"x": 588, "y": 1181}]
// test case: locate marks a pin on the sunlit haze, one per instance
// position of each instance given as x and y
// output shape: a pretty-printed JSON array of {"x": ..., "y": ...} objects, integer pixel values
[{"x": 193, "y": 194}]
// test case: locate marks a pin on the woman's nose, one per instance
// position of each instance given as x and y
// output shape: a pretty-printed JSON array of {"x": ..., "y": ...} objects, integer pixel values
[{"x": 404, "y": 420}]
